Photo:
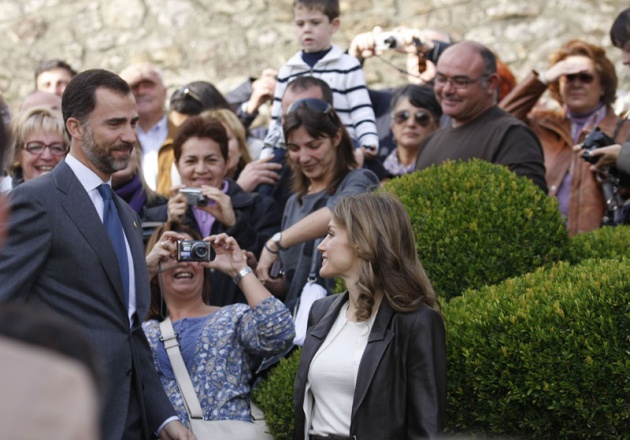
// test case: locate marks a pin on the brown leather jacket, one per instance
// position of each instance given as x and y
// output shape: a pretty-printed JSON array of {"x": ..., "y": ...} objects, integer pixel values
[{"x": 586, "y": 201}]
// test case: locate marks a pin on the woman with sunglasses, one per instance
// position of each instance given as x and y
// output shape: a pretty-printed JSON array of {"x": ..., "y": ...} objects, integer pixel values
[
  {"x": 415, "y": 114},
  {"x": 39, "y": 143},
  {"x": 320, "y": 153},
  {"x": 584, "y": 82}
]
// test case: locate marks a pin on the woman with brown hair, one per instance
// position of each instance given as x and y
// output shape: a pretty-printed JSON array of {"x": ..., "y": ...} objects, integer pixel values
[
  {"x": 373, "y": 365},
  {"x": 584, "y": 82}
]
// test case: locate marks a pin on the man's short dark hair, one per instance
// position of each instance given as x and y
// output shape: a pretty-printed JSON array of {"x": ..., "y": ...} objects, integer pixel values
[
  {"x": 79, "y": 98},
  {"x": 620, "y": 30},
  {"x": 302, "y": 83},
  {"x": 53, "y": 64}
]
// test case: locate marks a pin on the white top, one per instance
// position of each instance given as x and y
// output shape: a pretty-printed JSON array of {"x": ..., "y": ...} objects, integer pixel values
[
  {"x": 90, "y": 181},
  {"x": 332, "y": 376},
  {"x": 151, "y": 142}
]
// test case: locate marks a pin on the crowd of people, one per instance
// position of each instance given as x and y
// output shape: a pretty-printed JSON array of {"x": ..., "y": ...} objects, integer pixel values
[{"x": 128, "y": 212}]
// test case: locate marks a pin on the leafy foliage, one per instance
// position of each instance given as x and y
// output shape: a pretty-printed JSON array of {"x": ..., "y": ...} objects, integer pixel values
[
  {"x": 477, "y": 223},
  {"x": 606, "y": 242}
]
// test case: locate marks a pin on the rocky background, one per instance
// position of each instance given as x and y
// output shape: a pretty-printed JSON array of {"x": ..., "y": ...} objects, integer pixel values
[{"x": 226, "y": 41}]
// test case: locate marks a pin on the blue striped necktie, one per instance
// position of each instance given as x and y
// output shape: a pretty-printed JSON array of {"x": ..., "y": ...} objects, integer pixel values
[{"x": 112, "y": 223}]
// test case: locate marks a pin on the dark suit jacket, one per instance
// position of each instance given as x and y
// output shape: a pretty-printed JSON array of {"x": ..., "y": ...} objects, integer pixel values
[
  {"x": 58, "y": 256},
  {"x": 401, "y": 384}
]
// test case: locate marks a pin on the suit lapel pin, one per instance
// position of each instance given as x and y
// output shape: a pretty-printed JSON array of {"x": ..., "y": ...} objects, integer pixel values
[{"x": 135, "y": 225}]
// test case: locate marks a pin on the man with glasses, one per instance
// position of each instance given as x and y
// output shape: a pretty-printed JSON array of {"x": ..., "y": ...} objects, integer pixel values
[
  {"x": 154, "y": 128},
  {"x": 466, "y": 86}
]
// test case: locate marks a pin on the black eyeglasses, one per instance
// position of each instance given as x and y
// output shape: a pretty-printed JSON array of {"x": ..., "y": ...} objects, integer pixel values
[
  {"x": 585, "y": 78},
  {"x": 186, "y": 91},
  {"x": 421, "y": 117},
  {"x": 457, "y": 82},
  {"x": 56, "y": 148},
  {"x": 316, "y": 104}
]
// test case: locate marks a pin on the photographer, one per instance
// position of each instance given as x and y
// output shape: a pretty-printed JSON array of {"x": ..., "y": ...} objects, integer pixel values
[
  {"x": 210, "y": 203},
  {"x": 584, "y": 82}
]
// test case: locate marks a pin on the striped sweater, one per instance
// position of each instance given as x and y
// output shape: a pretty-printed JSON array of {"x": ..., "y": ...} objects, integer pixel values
[{"x": 351, "y": 101}]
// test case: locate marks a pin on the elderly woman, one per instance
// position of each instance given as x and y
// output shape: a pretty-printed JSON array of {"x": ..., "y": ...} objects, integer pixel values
[
  {"x": 415, "y": 114},
  {"x": 583, "y": 81},
  {"x": 220, "y": 346},
  {"x": 40, "y": 142},
  {"x": 373, "y": 365},
  {"x": 200, "y": 150}
]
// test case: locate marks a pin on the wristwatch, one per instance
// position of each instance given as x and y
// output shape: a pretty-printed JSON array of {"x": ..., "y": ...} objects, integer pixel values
[
  {"x": 241, "y": 274},
  {"x": 276, "y": 240}
]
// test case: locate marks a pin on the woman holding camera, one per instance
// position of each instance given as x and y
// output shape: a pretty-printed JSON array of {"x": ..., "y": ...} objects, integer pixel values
[
  {"x": 373, "y": 365},
  {"x": 584, "y": 82},
  {"x": 221, "y": 346},
  {"x": 219, "y": 206}
]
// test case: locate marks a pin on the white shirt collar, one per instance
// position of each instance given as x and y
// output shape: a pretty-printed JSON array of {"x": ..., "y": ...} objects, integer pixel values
[{"x": 88, "y": 178}]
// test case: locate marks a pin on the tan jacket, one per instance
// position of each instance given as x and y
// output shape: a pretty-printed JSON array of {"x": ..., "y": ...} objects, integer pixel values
[
  {"x": 586, "y": 201},
  {"x": 165, "y": 162}
]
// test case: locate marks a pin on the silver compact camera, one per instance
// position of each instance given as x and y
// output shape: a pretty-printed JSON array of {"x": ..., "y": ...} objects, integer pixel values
[
  {"x": 195, "y": 197},
  {"x": 194, "y": 251}
]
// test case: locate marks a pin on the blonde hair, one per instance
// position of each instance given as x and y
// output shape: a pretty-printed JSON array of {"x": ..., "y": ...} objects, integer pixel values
[
  {"x": 229, "y": 119},
  {"x": 29, "y": 122},
  {"x": 380, "y": 231}
]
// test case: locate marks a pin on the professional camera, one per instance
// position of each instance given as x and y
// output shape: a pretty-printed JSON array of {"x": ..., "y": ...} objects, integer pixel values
[
  {"x": 385, "y": 40},
  {"x": 195, "y": 197},
  {"x": 596, "y": 139},
  {"x": 192, "y": 250}
]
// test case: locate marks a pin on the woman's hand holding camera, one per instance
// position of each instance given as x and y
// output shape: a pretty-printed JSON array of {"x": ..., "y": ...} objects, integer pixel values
[
  {"x": 163, "y": 253},
  {"x": 222, "y": 208},
  {"x": 177, "y": 204},
  {"x": 229, "y": 257}
]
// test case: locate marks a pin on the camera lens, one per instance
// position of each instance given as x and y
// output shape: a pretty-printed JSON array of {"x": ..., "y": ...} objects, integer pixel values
[{"x": 199, "y": 250}]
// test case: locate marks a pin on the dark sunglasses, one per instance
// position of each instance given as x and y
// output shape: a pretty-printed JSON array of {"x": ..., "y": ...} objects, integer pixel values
[
  {"x": 422, "y": 118},
  {"x": 186, "y": 91},
  {"x": 319, "y": 105},
  {"x": 585, "y": 78}
]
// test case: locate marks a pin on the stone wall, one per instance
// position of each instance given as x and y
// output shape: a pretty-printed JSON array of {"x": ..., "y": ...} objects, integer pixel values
[{"x": 225, "y": 41}]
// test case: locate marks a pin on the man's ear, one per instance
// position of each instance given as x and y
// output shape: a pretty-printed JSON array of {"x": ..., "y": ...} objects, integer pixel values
[
  {"x": 493, "y": 82},
  {"x": 75, "y": 128}
]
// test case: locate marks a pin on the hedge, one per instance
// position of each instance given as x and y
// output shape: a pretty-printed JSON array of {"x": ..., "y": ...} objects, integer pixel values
[
  {"x": 477, "y": 224},
  {"x": 274, "y": 396},
  {"x": 606, "y": 242},
  {"x": 545, "y": 355}
]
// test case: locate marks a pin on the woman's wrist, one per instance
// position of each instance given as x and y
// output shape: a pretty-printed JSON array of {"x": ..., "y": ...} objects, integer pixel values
[{"x": 242, "y": 273}]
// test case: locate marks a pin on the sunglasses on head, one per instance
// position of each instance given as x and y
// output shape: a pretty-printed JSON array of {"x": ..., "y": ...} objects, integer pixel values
[
  {"x": 319, "y": 105},
  {"x": 422, "y": 117},
  {"x": 585, "y": 78},
  {"x": 186, "y": 91}
]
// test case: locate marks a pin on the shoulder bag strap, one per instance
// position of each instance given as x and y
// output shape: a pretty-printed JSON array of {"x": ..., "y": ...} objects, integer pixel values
[{"x": 169, "y": 337}]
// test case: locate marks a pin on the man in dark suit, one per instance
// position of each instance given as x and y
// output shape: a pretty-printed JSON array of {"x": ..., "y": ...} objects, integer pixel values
[{"x": 60, "y": 256}]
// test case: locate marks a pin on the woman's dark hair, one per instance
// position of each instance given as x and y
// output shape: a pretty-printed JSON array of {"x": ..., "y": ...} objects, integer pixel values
[
  {"x": 320, "y": 125},
  {"x": 605, "y": 68},
  {"x": 620, "y": 30},
  {"x": 157, "y": 308},
  {"x": 418, "y": 96},
  {"x": 195, "y": 97},
  {"x": 200, "y": 127}
]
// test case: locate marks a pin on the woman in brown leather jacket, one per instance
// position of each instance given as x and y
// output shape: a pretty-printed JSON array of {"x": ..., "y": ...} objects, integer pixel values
[
  {"x": 373, "y": 365},
  {"x": 583, "y": 81}
]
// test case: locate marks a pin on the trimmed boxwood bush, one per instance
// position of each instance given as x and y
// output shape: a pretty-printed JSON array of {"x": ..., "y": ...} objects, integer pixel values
[
  {"x": 546, "y": 355},
  {"x": 274, "y": 396},
  {"x": 477, "y": 223},
  {"x": 606, "y": 242}
]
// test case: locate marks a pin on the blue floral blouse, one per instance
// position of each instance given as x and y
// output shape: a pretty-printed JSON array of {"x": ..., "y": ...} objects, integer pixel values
[{"x": 221, "y": 351}]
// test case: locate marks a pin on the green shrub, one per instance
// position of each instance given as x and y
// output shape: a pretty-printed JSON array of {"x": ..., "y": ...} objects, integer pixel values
[
  {"x": 274, "y": 396},
  {"x": 607, "y": 242},
  {"x": 546, "y": 355},
  {"x": 477, "y": 223}
]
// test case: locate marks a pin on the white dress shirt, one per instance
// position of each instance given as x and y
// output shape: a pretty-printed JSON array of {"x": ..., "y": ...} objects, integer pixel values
[{"x": 151, "y": 141}]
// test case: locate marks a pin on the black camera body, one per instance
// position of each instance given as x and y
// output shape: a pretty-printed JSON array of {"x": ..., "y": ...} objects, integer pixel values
[
  {"x": 595, "y": 139},
  {"x": 194, "y": 251},
  {"x": 195, "y": 197}
]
